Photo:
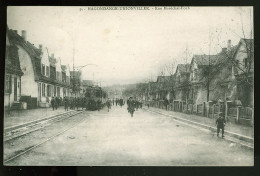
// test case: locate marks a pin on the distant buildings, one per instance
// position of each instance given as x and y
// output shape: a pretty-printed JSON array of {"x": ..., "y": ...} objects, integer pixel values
[{"x": 227, "y": 75}]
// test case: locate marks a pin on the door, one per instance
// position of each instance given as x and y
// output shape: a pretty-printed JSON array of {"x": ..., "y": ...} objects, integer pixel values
[{"x": 15, "y": 88}]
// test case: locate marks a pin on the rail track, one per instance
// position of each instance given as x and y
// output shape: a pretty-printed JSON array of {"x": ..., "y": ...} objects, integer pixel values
[
  {"x": 26, "y": 128},
  {"x": 8, "y": 160}
]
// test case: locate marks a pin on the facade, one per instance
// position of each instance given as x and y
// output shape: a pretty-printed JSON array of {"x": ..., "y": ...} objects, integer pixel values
[
  {"x": 42, "y": 74},
  {"x": 13, "y": 74},
  {"x": 181, "y": 88}
]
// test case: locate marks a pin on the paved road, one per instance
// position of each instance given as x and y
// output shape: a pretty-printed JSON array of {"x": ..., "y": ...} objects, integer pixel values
[{"x": 114, "y": 138}]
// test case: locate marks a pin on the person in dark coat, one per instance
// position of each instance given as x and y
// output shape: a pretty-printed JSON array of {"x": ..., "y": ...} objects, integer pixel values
[
  {"x": 220, "y": 122},
  {"x": 66, "y": 103},
  {"x": 56, "y": 102},
  {"x": 131, "y": 106},
  {"x": 53, "y": 103},
  {"x": 108, "y": 103}
]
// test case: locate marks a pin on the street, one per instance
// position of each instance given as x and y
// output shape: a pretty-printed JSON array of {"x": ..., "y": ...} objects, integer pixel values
[{"x": 115, "y": 138}]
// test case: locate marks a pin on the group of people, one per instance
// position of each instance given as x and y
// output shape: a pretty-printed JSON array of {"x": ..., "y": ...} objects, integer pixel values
[
  {"x": 75, "y": 103},
  {"x": 133, "y": 105},
  {"x": 56, "y": 102},
  {"x": 118, "y": 102}
]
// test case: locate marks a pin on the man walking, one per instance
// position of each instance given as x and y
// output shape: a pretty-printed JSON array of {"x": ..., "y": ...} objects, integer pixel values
[
  {"x": 66, "y": 103},
  {"x": 53, "y": 103},
  {"x": 221, "y": 122}
]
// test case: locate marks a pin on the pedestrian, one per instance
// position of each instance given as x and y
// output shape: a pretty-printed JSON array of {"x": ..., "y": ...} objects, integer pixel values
[
  {"x": 166, "y": 103},
  {"x": 56, "y": 102},
  {"x": 108, "y": 104},
  {"x": 66, "y": 103},
  {"x": 131, "y": 106},
  {"x": 83, "y": 103},
  {"x": 53, "y": 103},
  {"x": 220, "y": 122}
]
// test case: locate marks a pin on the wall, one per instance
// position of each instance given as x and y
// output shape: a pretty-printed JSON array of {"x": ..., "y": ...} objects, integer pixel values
[
  {"x": 29, "y": 86},
  {"x": 6, "y": 97}
]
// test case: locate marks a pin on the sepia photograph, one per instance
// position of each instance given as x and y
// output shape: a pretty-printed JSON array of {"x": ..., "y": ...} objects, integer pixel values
[{"x": 129, "y": 86}]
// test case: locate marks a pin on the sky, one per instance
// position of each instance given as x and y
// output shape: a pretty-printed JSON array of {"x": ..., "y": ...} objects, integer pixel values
[{"x": 130, "y": 46}]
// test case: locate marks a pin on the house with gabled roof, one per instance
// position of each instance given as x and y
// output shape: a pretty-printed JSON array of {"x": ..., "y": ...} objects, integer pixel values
[
  {"x": 243, "y": 71},
  {"x": 42, "y": 74},
  {"x": 181, "y": 88},
  {"x": 163, "y": 87},
  {"x": 214, "y": 76}
]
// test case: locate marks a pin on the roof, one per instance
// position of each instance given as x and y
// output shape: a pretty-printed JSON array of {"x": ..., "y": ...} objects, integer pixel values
[
  {"x": 183, "y": 68},
  {"x": 204, "y": 59},
  {"x": 12, "y": 62},
  {"x": 35, "y": 55},
  {"x": 32, "y": 51},
  {"x": 163, "y": 78}
]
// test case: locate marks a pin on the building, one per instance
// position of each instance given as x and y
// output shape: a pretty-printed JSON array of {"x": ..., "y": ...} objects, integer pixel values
[
  {"x": 42, "y": 77},
  {"x": 76, "y": 83},
  {"x": 181, "y": 82},
  {"x": 13, "y": 74}
]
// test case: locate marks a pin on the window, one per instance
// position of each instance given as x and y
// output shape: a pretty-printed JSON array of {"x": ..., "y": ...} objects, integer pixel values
[
  {"x": 43, "y": 69},
  {"x": 48, "y": 90},
  {"x": 8, "y": 84},
  {"x": 246, "y": 62},
  {"x": 54, "y": 90},
  {"x": 43, "y": 89},
  {"x": 47, "y": 71},
  {"x": 58, "y": 91}
]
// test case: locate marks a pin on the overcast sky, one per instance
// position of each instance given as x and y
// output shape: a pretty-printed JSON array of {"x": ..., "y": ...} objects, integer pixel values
[{"x": 128, "y": 46}]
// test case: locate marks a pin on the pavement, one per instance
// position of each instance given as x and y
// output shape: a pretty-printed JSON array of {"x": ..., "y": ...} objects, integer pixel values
[
  {"x": 17, "y": 117},
  {"x": 235, "y": 128},
  {"x": 115, "y": 138}
]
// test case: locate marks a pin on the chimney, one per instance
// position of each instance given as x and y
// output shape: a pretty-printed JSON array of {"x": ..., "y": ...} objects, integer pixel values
[
  {"x": 229, "y": 45},
  {"x": 40, "y": 46},
  {"x": 24, "y": 34},
  {"x": 224, "y": 50},
  {"x": 15, "y": 31}
]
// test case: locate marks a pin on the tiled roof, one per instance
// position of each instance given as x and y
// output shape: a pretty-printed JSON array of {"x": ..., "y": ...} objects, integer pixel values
[
  {"x": 12, "y": 62},
  {"x": 30, "y": 49},
  {"x": 35, "y": 55}
]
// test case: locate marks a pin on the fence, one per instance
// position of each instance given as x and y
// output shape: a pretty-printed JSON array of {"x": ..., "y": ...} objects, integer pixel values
[{"x": 235, "y": 114}]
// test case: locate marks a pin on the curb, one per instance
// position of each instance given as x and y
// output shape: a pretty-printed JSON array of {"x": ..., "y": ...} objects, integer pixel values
[
  {"x": 227, "y": 133},
  {"x": 35, "y": 121}
]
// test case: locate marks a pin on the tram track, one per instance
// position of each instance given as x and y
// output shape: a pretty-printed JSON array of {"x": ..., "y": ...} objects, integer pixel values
[
  {"x": 25, "y": 151},
  {"x": 17, "y": 131}
]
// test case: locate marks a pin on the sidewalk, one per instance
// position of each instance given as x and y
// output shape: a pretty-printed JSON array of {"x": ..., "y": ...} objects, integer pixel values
[
  {"x": 235, "y": 128},
  {"x": 17, "y": 117}
]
